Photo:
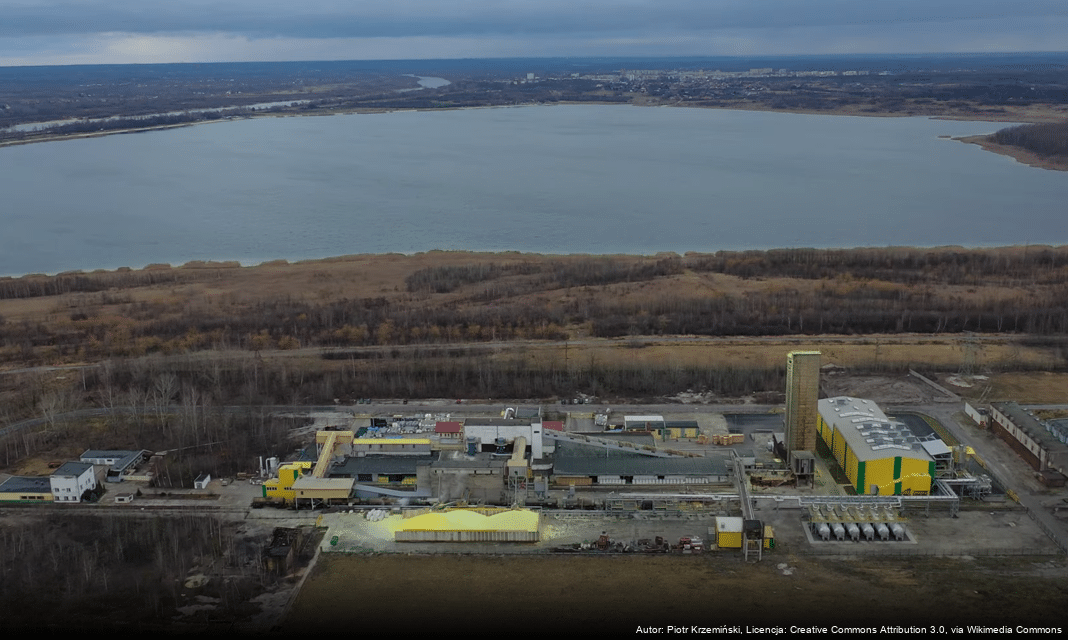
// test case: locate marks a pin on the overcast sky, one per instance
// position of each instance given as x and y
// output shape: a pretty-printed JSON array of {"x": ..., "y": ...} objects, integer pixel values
[{"x": 143, "y": 31}]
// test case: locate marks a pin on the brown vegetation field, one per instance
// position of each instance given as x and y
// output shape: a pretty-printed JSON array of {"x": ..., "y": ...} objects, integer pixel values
[
  {"x": 445, "y": 298},
  {"x": 613, "y": 595},
  {"x": 510, "y": 325}
]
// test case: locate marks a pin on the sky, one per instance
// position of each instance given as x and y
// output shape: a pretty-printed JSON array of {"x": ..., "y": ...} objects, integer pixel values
[{"x": 37, "y": 32}]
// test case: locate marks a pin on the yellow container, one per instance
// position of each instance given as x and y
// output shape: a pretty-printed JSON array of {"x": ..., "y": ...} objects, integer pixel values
[
  {"x": 769, "y": 537},
  {"x": 729, "y": 533}
]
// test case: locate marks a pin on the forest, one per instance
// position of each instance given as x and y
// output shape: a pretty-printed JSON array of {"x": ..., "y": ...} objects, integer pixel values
[
  {"x": 186, "y": 357},
  {"x": 1045, "y": 139},
  {"x": 160, "y": 311},
  {"x": 124, "y": 571}
]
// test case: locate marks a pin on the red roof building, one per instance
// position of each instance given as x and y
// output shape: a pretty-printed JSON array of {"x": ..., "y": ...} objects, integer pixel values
[{"x": 448, "y": 428}]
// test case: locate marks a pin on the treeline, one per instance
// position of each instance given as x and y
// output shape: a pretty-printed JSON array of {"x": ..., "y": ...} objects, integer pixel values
[
  {"x": 557, "y": 274},
  {"x": 109, "y": 571},
  {"x": 859, "y": 308},
  {"x": 211, "y": 410},
  {"x": 142, "y": 328},
  {"x": 1045, "y": 139},
  {"x": 123, "y": 278},
  {"x": 448, "y": 278},
  {"x": 796, "y": 291},
  {"x": 196, "y": 413},
  {"x": 214, "y": 414},
  {"x": 1005, "y": 266}
]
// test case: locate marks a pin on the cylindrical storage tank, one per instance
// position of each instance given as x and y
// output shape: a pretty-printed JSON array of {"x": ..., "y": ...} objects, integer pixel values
[
  {"x": 823, "y": 531},
  {"x": 867, "y": 531},
  {"x": 883, "y": 531},
  {"x": 839, "y": 531},
  {"x": 854, "y": 531},
  {"x": 898, "y": 531},
  {"x": 472, "y": 446}
]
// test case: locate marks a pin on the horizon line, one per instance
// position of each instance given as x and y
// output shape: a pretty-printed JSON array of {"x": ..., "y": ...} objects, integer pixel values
[{"x": 563, "y": 57}]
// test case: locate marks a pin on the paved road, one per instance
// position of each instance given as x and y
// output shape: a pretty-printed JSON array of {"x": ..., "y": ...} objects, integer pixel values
[{"x": 1003, "y": 463}]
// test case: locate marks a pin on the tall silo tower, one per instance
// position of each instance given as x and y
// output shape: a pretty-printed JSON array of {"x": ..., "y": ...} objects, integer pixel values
[{"x": 802, "y": 393}]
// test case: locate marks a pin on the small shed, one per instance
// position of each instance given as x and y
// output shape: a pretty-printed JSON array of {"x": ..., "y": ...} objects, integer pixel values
[{"x": 729, "y": 532}]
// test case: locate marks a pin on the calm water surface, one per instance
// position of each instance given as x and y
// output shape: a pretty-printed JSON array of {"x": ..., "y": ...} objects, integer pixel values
[{"x": 561, "y": 179}]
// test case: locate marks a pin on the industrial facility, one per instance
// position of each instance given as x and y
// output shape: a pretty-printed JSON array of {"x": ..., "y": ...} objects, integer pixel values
[
  {"x": 879, "y": 456},
  {"x": 851, "y": 473}
]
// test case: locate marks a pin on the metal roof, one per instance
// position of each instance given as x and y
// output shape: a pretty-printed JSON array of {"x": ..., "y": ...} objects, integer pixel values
[
  {"x": 500, "y": 422},
  {"x": 74, "y": 469},
  {"x": 576, "y": 459},
  {"x": 1029, "y": 425},
  {"x": 935, "y": 447},
  {"x": 352, "y": 467},
  {"x": 640, "y": 439},
  {"x": 123, "y": 458},
  {"x": 460, "y": 460},
  {"x": 27, "y": 484},
  {"x": 527, "y": 412},
  {"x": 868, "y": 433},
  {"x": 109, "y": 453}
]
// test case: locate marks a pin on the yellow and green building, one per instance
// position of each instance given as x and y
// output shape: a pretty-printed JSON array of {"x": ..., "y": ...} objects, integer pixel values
[{"x": 879, "y": 456}]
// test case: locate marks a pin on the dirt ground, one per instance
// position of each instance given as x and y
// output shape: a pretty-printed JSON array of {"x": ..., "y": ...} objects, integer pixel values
[
  {"x": 616, "y": 594},
  {"x": 1037, "y": 387},
  {"x": 881, "y": 389}
]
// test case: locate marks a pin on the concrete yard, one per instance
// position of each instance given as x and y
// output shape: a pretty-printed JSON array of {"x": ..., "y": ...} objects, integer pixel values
[{"x": 974, "y": 532}]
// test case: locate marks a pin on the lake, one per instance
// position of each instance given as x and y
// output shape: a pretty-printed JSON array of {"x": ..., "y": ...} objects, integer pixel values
[{"x": 548, "y": 179}]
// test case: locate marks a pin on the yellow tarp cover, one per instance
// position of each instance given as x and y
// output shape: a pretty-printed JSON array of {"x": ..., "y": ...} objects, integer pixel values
[{"x": 460, "y": 520}]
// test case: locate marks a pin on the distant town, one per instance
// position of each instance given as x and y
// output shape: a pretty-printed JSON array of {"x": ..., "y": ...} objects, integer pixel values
[{"x": 65, "y": 101}]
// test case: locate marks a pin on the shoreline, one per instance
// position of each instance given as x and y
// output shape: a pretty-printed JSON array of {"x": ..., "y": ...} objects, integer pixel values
[
  {"x": 1007, "y": 117},
  {"x": 450, "y": 255},
  {"x": 1023, "y": 156},
  {"x": 1047, "y": 114}
]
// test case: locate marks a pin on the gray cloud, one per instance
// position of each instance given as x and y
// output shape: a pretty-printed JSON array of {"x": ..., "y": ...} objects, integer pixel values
[
  {"x": 400, "y": 18},
  {"x": 88, "y": 31}
]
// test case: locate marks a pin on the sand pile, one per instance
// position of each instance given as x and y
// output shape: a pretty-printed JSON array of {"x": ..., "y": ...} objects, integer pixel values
[{"x": 459, "y": 520}]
